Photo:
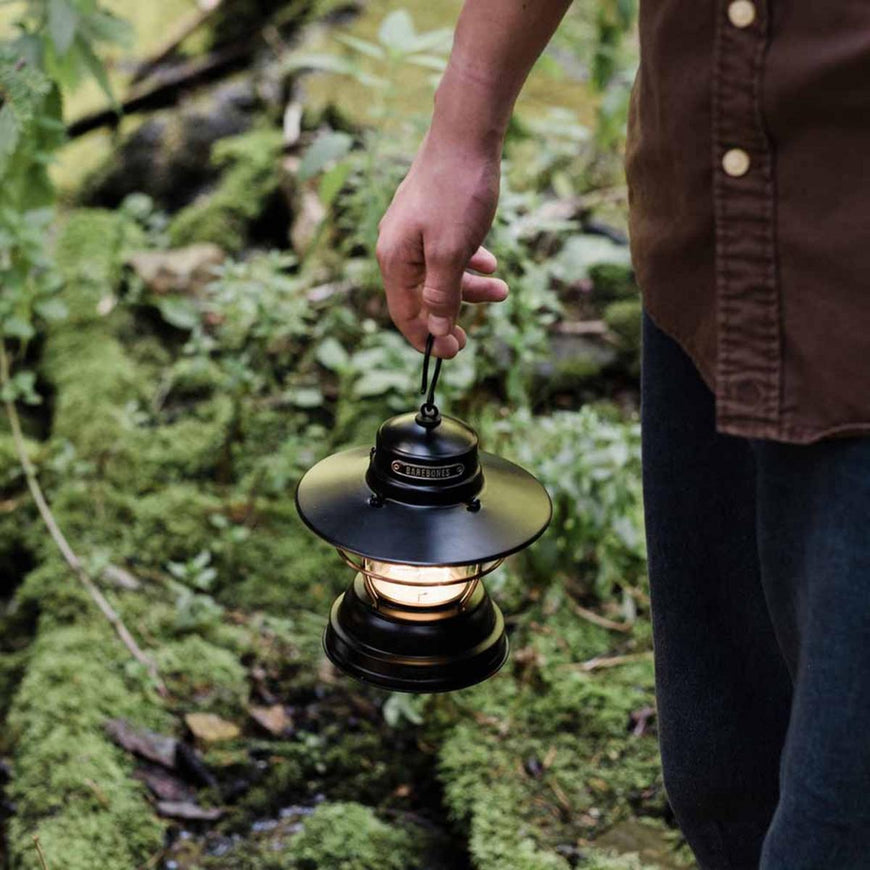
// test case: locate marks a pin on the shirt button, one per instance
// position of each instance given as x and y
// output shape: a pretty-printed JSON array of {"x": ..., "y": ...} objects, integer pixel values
[
  {"x": 741, "y": 13},
  {"x": 735, "y": 162}
]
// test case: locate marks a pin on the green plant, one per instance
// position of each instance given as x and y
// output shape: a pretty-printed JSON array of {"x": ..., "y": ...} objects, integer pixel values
[
  {"x": 52, "y": 47},
  {"x": 589, "y": 461}
]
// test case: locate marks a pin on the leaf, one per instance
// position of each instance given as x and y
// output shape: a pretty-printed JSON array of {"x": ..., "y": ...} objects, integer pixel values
[
  {"x": 10, "y": 130},
  {"x": 331, "y": 183},
  {"x": 397, "y": 31},
  {"x": 24, "y": 384},
  {"x": 363, "y": 46},
  {"x": 51, "y": 309},
  {"x": 398, "y": 707},
  {"x": 439, "y": 40},
  {"x": 23, "y": 89},
  {"x": 306, "y": 397},
  {"x": 331, "y": 355},
  {"x": 102, "y": 26},
  {"x": 62, "y": 23},
  {"x": 582, "y": 252},
  {"x": 210, "y": 728},
  {"x": 323, "y": 151},
  {"x": 178, "y": 312},
  {"x": 377, "y": 383},
  {"x": 96, "y": 68},
  {"x": 18, "y": 327},
  {"x": 429, "y": 61},
  {"x": 321, "y": 62}
]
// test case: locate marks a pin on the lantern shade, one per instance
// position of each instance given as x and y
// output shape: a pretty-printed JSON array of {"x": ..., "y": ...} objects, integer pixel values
[{"x": 334, "y": 500}]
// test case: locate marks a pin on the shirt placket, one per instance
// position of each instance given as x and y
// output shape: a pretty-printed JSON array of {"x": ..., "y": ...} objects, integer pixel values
[{"x": 747, "y": 298}]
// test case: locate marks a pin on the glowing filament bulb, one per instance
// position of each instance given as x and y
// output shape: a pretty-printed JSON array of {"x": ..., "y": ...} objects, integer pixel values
[{"x": 420, "y": 587}]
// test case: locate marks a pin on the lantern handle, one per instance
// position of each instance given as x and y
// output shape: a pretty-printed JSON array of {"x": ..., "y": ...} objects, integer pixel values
[{"x": 429, "y": 415}]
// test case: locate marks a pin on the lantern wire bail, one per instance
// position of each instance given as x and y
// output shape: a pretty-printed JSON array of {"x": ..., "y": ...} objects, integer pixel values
[{"x": 429, "y": 415}]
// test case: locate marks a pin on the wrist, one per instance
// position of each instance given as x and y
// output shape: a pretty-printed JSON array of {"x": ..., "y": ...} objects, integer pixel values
[{"x": 471, "y": 112}]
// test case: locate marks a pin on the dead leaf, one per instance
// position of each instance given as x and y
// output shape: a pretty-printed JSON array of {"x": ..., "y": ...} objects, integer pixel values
[
  {"x": 273, "y": 719},
  {"x": 146, "y": 744},
  {"x": 162, "y": 784},
  {"x": 183, "y": 270},
  {"x": 210, "y": 728},
  {"x": 120, "y": 577}
]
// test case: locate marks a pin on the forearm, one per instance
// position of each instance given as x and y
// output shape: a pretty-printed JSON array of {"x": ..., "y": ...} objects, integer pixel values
[{"x": 495, "y": 46}]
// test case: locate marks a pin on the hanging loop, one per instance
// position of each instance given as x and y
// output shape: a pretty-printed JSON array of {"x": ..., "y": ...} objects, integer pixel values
[{"x": 429, "y": 415}]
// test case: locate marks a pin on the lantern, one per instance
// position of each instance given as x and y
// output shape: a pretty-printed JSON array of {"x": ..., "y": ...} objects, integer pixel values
[{"x": 421, "y": 518}]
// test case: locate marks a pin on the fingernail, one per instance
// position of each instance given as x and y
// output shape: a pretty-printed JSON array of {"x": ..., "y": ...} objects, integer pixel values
[{"x": 439, "y": 325}]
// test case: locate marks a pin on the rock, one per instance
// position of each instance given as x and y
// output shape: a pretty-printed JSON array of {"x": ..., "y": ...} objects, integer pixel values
[
  {"x": 182, "y": 270},
  {"x": 146, "y": 744},
  {"x": 165, "y": 751},
  {"x": 162, "y": 784},
  {"x": 273, "y": 719},
  {"x": 210, "y": 728}
]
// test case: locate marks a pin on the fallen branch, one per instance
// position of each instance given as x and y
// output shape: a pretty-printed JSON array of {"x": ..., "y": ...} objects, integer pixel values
[
  {"x": 42, "y": 861},
  {"x": 600, "y": 662},
  {"x": 60, "y": 540},
  {"x": 603, "y": 621},
  {"x": 164, "y": 89}
]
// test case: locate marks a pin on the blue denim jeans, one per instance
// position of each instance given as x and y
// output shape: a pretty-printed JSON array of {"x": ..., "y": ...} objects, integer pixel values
[{"x": 759, "y": 560}]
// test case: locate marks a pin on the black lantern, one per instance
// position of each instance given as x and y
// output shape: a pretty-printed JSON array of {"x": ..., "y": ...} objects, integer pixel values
[{"x": 421, "y": 517}]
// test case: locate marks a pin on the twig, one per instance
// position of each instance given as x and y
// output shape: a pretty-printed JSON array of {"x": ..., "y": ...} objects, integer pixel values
[
  {"x": 603, "y": 621},
  {"x": 60, "y": 540},
  {"x": 39, "y": 852},
  {"x": 613, "y": 661}
]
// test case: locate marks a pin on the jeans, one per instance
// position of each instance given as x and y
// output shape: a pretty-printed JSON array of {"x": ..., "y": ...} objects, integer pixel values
[{"x": 759, "y": 561}]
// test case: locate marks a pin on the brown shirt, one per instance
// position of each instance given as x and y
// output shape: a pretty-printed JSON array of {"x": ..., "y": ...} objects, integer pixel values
[{"x": 748, "y": 168}]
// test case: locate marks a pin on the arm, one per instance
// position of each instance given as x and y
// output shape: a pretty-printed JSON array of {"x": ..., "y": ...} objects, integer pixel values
[{"x": 433, "y": 230}]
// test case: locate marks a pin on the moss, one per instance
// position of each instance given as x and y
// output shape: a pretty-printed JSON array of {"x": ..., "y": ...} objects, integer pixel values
[
  {"x": 71, "y": 786},
  {"x": 543, "y": 756},
  {"x": 623, "y": 319},
  {"x": 172, "y": 523},
  {"x": 280, "y": 565},
  {"x": 349, "y": 836},
  {"x": 251, "y": 175},
  {"x": 94, "y": 381},
  {"x": 612, "y": 281},
  {"x": 10, "y": 468},
  {"x": 206, "y": 675},
  {"x": 89, "y": 255}
]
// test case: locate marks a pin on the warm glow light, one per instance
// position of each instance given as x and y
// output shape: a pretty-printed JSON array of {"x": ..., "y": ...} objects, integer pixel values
[{"x": 421, "y": 587}]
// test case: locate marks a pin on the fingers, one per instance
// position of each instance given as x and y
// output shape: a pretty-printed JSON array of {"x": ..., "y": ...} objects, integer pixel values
[
  {"x": 478, "y": 288},
  {"x": 483, "y": 261},
  {"x": 442, "y": 288}
]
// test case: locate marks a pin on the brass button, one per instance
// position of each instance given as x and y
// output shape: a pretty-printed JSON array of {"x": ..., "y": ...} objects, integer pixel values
[
  {"x": 741, "y": 13},
  {"x": 735, "y": 162}
]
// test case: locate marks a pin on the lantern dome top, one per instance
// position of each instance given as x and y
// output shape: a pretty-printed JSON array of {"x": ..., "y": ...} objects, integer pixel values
[{"x": 424, "y": 495}]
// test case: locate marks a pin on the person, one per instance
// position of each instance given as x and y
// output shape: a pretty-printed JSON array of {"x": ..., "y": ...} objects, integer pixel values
[{"x": 749, "y": 195}]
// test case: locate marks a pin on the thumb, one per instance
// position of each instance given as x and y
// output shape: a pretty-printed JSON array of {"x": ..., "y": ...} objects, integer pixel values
[{"x": 442, "y": 287}]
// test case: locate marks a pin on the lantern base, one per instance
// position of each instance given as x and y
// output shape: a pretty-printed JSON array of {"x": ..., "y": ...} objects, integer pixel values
[{"x": 416, "y": 649}]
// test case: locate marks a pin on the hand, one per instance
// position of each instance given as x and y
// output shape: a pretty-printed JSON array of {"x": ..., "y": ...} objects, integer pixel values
[{"x": 430, "y": 240}]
